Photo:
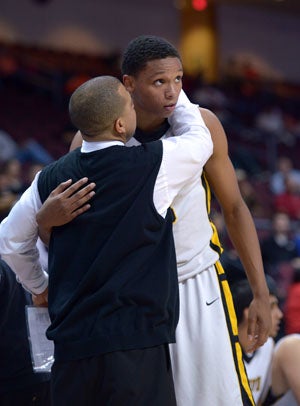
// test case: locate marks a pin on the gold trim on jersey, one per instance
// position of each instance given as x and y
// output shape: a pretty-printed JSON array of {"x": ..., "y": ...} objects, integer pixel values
[
  {"x": 215, "y": 243},
  {"x": 233, "y": 333},
  {"x": 175, "y": 218}
]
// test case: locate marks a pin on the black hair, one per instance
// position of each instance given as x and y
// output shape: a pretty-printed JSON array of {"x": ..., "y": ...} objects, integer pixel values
[
  {"x": 96, "y": 104},
  {"x": 143, "y": 49},
  {"x": 242, "y": 295}
]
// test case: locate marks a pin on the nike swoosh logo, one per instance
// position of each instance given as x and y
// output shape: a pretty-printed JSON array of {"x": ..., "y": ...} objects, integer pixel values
[{"x": 213, "y": 301}]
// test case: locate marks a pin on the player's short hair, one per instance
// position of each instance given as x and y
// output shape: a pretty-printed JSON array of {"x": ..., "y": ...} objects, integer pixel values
[
  {"x": 242, "y": 295},
  {"x": 96, "y": 104},
  {"x": 143, "y": 49}
]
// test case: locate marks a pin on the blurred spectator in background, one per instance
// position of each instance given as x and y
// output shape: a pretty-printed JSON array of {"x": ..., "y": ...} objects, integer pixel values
[
  {"x": 16, "y": 164},
  {"x": 285, "y": 169},
  {"x": 209, "y": 96},
  {"x": 289, "y": 201},
  {"x": 297, "y": 239},
  {"x": 279, "y": 251},
  {"x": 250, "y": 194},
  {"x": 7, "y": 196},
  {"x": 292, "y": 303},
  {"x": 8, "y": 147},
  {"x": 14, "y": 179},
  {"x": 32, "y": 170},
  {"x": 14, "y": 176},
  {"x": 271, "y": 122},
  {"x": 30, "y": 150}
]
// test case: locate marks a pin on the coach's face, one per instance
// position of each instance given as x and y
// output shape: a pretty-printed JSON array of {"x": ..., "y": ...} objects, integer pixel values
[
  {"x": 155, "y": 89},
  {"x": 128, "y": 117}
]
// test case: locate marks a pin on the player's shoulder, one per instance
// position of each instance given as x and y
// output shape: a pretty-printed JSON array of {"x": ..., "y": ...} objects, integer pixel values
[
  {"x": 288, "y": 341},
  {"x": 213, "y": 124},
  {"x": 287, "y": 350},
  {"x": 208, "y": 116}
]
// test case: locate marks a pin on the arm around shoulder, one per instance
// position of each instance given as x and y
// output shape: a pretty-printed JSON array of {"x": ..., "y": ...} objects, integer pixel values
[
  {"x": 191, "y": 145},
  {"x": 18, "y": 237}
]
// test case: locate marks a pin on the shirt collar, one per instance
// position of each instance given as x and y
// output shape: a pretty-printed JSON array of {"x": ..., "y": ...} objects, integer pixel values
[{"x": 96, "y": 145}]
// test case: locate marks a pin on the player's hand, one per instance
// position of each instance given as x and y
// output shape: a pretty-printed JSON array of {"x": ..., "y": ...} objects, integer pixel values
[
  {"x": 65, "y": 202},
  {"x": 41, "y": 299},
  {"x": 259, "y": 322}
]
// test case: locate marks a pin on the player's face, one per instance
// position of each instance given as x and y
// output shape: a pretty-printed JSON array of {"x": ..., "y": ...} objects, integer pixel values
[
  {"x": 128, "y": 115},
  {"x": 155, "y": 90},
  {"x": 276, "y": 315}
]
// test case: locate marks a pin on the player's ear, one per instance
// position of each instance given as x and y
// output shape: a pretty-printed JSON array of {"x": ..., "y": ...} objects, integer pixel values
[{"x": 128, "y": 82}]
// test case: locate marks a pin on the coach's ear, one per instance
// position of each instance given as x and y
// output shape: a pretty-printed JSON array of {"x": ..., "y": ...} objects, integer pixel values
[
  {"x": 119, "y": 126},
  {"x": 128, "y": 82},
  {"x": 120, "y": 132}
]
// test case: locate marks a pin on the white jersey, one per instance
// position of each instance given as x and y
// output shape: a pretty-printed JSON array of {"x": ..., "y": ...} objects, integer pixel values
[
  {"x": 196, "y": 241},
  {"x": 206, "y": 359},
  {"x": 258, "y": 367},
  {"x": 288, "y": 398}
]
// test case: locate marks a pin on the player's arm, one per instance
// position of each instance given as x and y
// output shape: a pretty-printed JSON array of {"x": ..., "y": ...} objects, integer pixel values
[
  {"x": 64, "y": 203},
  {"x": 186, "y": 152},
  {"x": 240, "y": 226},
  {"x": 41, "y": 300},
  {"x": 286, "y": 367},
  {"x": 18, "y": 237}
]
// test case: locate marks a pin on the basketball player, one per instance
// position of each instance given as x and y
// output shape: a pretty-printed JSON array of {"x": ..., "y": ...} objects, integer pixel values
[
  {"x": 206, "y": 358},
  {"x": 286, "y": 371},
  {"x": 273, "y": 369},
  {"x": 258, "y": 362}
]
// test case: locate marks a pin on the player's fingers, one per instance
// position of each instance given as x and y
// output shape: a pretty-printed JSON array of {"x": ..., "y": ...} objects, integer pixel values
[
  {"x": 61, "y": 187},
  {"x": 70, "y": 190},
  {"x": 252, "y": 333},
  {"x": 81, "y": 210},
  {"x": 77, "y": 204},
  {"x": 254, "y": 346},
  {"x": 259, "y": 340},
  {"x": 83, "y": 195},
  {"x": 262, "y": 336}
]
